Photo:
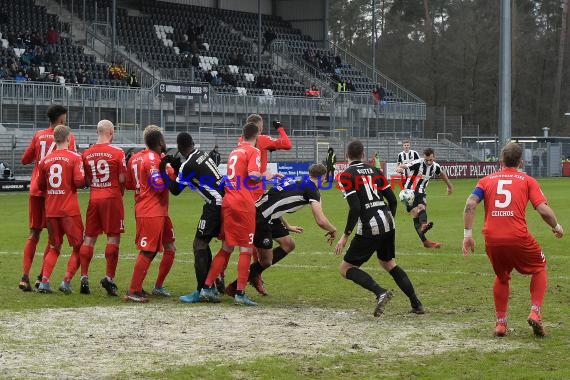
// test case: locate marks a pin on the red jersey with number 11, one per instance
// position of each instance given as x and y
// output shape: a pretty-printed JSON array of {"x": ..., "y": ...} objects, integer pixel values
[
  {"x": 506, "y": 194},
  {"x": 151, "y": 192}
]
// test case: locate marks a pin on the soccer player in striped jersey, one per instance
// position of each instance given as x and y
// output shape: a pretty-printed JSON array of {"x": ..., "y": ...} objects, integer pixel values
[
  {"x": 372, "y": 206},
  {"x": 407, "y": 155},
  {"x": 199, "y": 172},
  {"x": 421, "y": 171},
  {"x": 285, "y": 198}
]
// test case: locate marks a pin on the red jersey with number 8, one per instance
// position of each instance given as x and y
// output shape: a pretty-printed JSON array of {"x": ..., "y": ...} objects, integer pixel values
[
  {"x": 41, "y": 145},
  {"x": 506, "y": 194},
  {"x": 60, "y": 173},
  {"x": 103, "y": 164}
]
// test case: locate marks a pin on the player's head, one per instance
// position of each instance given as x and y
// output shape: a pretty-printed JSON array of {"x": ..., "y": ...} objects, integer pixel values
[
  {"x": 255, "y": 119},
  {"x": 250, "y": 132},
  {"x": 61, "y": 134},
  {"x": 330, "y": 150},
  {"x": 149, "y": 128},
  {"x": 154, "y": 140},
  {"x": 185, "y": 143},
  {"x": 511, "y": 155},
  {"x": 355, "y": 150},
  {"x": 406, "y": 145},
  {"x": 317, "y": 170},
  {"x": 429, "y": 156},
  {"x": 105, "y": 130},
  {"x": 57, "y": 115}
]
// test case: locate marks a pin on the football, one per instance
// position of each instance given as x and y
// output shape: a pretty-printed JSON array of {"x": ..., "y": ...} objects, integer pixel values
[{"x": 407, "y": 197}]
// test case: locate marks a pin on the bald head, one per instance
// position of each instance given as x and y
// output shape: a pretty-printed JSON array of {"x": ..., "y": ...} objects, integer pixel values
[{"x": 105, "y": 132}]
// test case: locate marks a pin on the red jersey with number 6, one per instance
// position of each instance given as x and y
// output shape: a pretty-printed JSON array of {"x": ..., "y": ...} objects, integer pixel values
[
  {"x": 104, "y": 164},
  {"x": 506, "y": 194},
  {"x": 60, "y": 174},
  {"x": 41, "y": 145},
  {"x": 151, "y": 191}
]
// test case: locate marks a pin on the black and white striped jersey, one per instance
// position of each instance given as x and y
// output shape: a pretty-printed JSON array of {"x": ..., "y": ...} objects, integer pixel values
[
  {"x": 287, "y": 198},
  {"x": 199, "y": 172},
  {"x": 419, "y": 175},
  {"x": 368, "y": 183},
  {"x": 406, "y": 157}
]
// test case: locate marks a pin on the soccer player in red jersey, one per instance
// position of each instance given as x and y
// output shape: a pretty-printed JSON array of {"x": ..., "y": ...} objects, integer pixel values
[
  {"x": 41, "y": 145},
  {"x": 508, "y": 243},
  {"x": 154, "y": 230},
  {"x": 238, "y": 215},
  {"x": 105, "y": 172},
  {"x": 60, "y": 174}
]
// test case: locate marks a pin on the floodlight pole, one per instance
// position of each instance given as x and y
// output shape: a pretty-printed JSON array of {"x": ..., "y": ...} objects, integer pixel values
[
  {"x": 258, "y": 37},
  {"x": 374, "y": 41},
  {"x": 114, "y": 31},
  {"x": 505, "y": 73}
]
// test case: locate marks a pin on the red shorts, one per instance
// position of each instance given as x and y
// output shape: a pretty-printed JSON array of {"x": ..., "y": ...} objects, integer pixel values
[
  {"x": 105, "y": 215},
  {"x": 238, "y": 225},
  {"x": 37, "y": 212},
  {"x": 524, "y": 255},
  {"x": 153, "y": 233},
  {"x": 72, "y": 226}
]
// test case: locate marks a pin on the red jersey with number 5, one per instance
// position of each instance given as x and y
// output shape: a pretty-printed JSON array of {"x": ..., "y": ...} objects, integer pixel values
[
  {"x": 60, "y": 174},
  {"x": 151, "y": 191},
  {"x": 242, "y": 160},
  {"x": 104, "y": 164},
  {"x": 41, "y": 145},
  {"x": 506, "y": 194}
]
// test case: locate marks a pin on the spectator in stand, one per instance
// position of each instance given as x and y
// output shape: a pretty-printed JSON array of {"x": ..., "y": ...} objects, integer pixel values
[
  {"x": 350, "y": 86},
  {"x": 269, "y": 36},
  {"x": 215, "y": 155},
  {"x": 20, "y": 77},
  {"x": 52, "y": 39},
  {"x": 313, "y": 91},
  {"x": 234, "y": 59},
  {"x": 132, "y": 80},
  {"x": 341, "y": 86},
  {"x": 36, "y": 39},
  {"x": 338, "y": 61}
]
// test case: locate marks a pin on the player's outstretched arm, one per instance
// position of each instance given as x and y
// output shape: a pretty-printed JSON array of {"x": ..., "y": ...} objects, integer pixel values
[
  {"x": 547, "y": 214},
  {"x": 468, "y": 219},
  {"x": 447, "y": 182},
  {"x": 323, "y": 222}
]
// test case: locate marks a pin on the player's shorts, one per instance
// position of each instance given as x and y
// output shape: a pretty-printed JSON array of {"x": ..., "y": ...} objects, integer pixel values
[
  {"x": 419, "y": 199},
  {"x": 265, "y": 232},
  {"x": 105, "y": 215},
  {"x": 524, "y": 255},
  {"x": 238, "y": 225},
  {"x": 154, "y": 233},
  {"x": 71, "y": 226},
  {"x": 37, "y": 212},
  {"x": 361, "y": 248},
  {"x": 210, "y": 222}
]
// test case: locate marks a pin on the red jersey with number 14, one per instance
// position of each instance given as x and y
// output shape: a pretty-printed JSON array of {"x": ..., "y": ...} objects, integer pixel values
[
  {"x": 104, "y": 163},
  {"x": 60, "y": 173},
  {"x": 151, "y": 192},
  {"x": 242, "y": 160},
  {"x": 506, "y": 194}
]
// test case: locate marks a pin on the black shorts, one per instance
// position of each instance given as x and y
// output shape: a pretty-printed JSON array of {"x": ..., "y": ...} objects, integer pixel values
[
  {"x": 210, "y": 222},
  {"x": 265, "y": 232},
  {"x": 361, "y": 248},
  {"x": 419, "y": 198}
]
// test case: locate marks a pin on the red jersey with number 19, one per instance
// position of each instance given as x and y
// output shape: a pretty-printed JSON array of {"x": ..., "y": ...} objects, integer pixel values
[
  {"x": 104, "y": 163},
  {"x": 506, "y": 194},
  {"x": 151, "y": 192},
  {"x": 60, "y": 173},
  {"x": 41, "y": 145}
]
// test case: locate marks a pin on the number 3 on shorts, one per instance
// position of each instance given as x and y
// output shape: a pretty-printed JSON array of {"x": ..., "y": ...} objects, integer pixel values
[{"x": 250, "y": 239}]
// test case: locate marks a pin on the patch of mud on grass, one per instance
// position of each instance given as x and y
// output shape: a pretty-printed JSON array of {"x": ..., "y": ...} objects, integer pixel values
[{"x": 105, "y": 341}]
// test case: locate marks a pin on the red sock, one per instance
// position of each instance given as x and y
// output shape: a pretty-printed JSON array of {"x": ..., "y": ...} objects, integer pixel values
[
  {"x": 139, "y": 273},
  {"x": 49, "y": 263},
  {"x": 501, "y": 296},
  {"x": 46, "y": 251},
  {"x": 164, "y": 268},
  {"x": 243, "y": 270},
  {"x": 112, "y": 259},
  {"x": 85, "y": 256},
  {"x": 538, "y": 283},
  {"x": 219, "y": 263},
  {"x": 72, "y": 265},
  {"x": 29, "y": 253}
]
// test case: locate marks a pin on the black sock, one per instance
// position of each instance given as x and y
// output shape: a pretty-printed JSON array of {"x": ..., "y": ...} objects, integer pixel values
[
  {"x": 278, "y": 254},
  {"x": 202, "y": 262},
  {"x": 360, "y": 277},
  {"x": 255, "y": 270},
  {"x": 417, "y": 225},
  {"x": 403, "y": 281},
  {"x": 422, "y": 216}
]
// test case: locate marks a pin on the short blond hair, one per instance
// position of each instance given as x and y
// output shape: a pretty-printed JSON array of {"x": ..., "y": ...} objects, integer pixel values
[
  {"x": 150, "y": 128},
  {"x": 253, "y": 118},
  {"x": 105, "y": 126},
  {"x": 61, "y": 133}
]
